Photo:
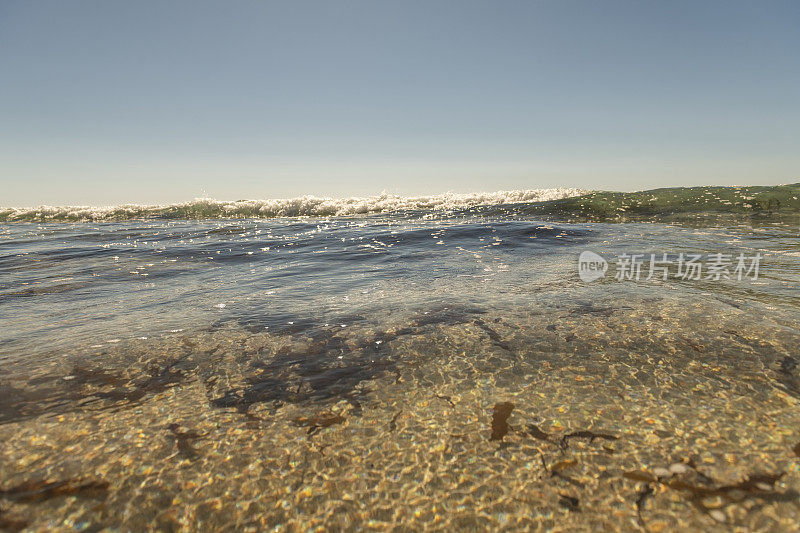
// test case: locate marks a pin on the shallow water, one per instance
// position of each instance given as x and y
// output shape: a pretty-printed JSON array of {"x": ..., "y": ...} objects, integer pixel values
[{"x": 428, "y": 370}]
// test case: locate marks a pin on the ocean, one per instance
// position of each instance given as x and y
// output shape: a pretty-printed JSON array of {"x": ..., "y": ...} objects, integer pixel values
[{"x": 446, "y": 362}]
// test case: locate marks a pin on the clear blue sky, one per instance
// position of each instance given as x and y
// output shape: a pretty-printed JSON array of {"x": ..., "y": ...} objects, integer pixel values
[{"x": 151, "y": 101}]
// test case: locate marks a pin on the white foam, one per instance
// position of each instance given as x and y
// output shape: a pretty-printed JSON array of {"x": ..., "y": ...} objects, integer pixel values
[{"x": 290, "y": 207}]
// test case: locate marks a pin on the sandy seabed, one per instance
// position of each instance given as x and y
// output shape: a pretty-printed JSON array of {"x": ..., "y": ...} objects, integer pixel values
[{"x": 570, "y": 417}]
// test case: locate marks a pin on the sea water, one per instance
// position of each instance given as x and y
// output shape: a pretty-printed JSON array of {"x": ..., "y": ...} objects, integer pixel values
[{"x": 433, "y": 363}]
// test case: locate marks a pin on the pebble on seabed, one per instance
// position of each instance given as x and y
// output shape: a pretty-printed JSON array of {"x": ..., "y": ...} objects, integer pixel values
[
  {"x": 717, "y": 515},
  {"x": 678, "y": 468}
]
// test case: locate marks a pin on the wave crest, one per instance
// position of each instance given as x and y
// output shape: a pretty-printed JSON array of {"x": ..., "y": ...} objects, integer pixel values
[{"x": 291, "y": 207}]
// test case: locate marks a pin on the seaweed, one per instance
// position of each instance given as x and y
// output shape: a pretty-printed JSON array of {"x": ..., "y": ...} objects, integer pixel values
[
  {"x": 694, "y": 346},
  {"x": 34, "y": 491},
  {"x": 585, "y": 434},
  {"x": 287, "y": 324},
  {"x": 447, "y": 399},
  {"x": 357, "y": 408},
  {"x": 160, "y": 379},
  {"x": 448, "y": 315},
  {"x": 330, "y": 366},
  {"x": 297, "y": 484},
  {"x": 690, "y": 462},
  {"x": 41, "y": 396},
  {"x": 500, "y": 414},
  {"x": 259, "y": 389},
  {"x": 536, "y": 433},
  {"x": 493, "y": 335},
  {"x": 570, "y": 503},
  {"x": 81, "y": 375},
  {"x": 788, "y": 364},
  {"x": 318, "y": 421},
  {"x": 184, "y": 440},
  {"x": 641, "y": 499},
  {"x": 315, "y": 373},
  {"x": 758, "y": 486},
  {"x": 557, "y": 469},
  {"x": 393, "y": 421},
  {"x": 11, "y": 524},
  {"x": 787, "y": 375},
  {"x": 12, "y": 404},
  {"x": 591, "y": 309}
]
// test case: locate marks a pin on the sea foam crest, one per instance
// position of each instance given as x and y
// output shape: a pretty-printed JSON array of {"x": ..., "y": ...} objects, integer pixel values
[{"x": 291, "y": 207}]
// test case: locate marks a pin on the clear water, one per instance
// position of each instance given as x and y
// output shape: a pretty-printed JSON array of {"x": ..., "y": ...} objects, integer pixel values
[{"x": 343, "y": 372}]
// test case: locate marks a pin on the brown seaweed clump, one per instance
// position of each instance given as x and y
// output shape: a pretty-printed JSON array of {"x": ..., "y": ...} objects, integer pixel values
[
  {"x": 38, "y": 491},
  {"x": 500, "y": 414},
  {"x": 757, "y": 486},
  {"x": 35, "y": 491}
]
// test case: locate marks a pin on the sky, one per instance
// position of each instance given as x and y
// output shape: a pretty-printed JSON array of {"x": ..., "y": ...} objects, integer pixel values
[{"x": 108, "y": 102}]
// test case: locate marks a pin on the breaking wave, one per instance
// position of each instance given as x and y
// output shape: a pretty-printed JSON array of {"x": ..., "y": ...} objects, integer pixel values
[
  {"x": 677, "y": 203},
  {"x": 291, "y": 207}
]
